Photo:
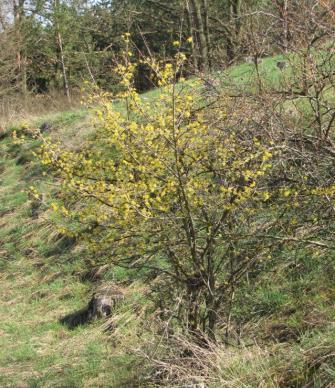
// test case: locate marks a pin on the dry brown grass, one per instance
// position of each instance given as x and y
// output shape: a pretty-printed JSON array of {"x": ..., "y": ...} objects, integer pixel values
[
  {"x": 14, "y": 108},
  {"x": 182, "y": 362}
]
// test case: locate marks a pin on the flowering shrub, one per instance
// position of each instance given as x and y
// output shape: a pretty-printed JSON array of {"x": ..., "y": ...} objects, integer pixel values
[{"x": 176, "y": 185}]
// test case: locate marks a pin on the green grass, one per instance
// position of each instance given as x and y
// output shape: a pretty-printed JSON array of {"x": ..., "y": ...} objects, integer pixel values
[
  {"x": 40, "y": 281},
  {"x": 246, "y": 73}
]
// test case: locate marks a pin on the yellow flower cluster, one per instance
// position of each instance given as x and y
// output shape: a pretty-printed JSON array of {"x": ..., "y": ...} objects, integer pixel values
[{"x": 155, "y": 164}]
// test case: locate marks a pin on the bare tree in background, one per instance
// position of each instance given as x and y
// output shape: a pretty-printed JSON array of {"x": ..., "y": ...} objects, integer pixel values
[{"x": 59, "y": 44}]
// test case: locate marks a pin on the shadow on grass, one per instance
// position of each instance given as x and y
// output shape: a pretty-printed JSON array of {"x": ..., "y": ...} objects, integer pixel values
[{"x": 77, "y": 318}]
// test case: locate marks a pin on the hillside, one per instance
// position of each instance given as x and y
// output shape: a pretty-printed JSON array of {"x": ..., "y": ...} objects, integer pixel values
[
  {"x": 286, "y": 318},
  {"x": 40, "y": 283}
]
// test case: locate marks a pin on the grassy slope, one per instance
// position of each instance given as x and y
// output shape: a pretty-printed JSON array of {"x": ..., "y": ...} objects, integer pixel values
[
  {"x": 38, "y": 285},
  {"x": 40, "y": 282}
]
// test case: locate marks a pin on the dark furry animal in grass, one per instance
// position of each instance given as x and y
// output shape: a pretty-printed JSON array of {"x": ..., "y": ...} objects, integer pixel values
[{"x": 101, "y": 305}]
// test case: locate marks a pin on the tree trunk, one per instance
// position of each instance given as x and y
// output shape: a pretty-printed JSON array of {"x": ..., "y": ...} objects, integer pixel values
[
  {"x": 193, "y": 313},
  {"x": 230, "y": 49},
  {"x": 59, "y": 44},
  {"x": 210, "y": 299},
  {"x": 206, "y": 28},
  {"x": 283, "y": 13},
  {"x": 235, "y": 15},
  {"x": 234, "y": 9},
  {"x": 21, "y": 60},
  {"x": 62, "y": 62},
  {"x": 193, "y": 35},
  {"x": 285, "y": 26},
  {"x": 196, "y": 11}
]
